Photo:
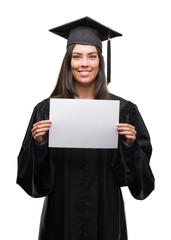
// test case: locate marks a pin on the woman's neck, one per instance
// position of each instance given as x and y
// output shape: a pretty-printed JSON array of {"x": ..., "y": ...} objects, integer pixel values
[{"x": 84, "y": 91}]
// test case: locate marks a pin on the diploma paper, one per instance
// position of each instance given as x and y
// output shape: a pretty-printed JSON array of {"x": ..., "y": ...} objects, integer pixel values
[{"x": 79, "y": 123}]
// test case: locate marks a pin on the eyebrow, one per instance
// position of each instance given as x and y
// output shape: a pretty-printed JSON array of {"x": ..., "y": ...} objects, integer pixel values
[{"x": 81, "y": 53}]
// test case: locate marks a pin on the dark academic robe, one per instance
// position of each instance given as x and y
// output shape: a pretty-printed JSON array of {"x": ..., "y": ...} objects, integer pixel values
[{"x": 83, "y": 199}]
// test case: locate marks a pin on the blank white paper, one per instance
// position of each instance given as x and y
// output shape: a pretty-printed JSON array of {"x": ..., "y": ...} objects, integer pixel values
[{"x": 80, "y": 123}]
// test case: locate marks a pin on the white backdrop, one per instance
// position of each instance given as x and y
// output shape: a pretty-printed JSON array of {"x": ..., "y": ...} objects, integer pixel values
[{"x": 30, "y": 58}]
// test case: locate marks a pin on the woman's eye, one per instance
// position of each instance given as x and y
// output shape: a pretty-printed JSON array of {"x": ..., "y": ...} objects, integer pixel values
[
  {"x": 92, "y": 56},
  {"x": 76, "y": 57}
]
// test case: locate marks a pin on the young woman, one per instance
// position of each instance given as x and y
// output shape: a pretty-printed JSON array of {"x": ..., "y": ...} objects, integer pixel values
[{"x": 82, "y": 186}]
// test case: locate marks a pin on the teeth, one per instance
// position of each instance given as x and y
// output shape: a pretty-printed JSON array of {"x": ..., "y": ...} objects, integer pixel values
[{"x": 84, "y": 73}]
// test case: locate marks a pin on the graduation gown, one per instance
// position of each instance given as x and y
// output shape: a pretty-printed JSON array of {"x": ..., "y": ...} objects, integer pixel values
[{"x": 82, "y": 187}]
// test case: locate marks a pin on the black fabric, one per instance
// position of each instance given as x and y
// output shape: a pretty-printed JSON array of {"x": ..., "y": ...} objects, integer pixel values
[
  {"x": 82, "y": 186},
  {"x": 102, "y": 32},
  {"x": 86, "y": 36}
]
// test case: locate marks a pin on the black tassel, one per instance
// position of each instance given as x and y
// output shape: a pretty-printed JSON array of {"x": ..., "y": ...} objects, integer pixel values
[{"x": 108, "y": 61}]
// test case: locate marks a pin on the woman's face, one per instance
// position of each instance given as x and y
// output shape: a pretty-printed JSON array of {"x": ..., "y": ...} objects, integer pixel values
[{"x": 84, "y": 63}]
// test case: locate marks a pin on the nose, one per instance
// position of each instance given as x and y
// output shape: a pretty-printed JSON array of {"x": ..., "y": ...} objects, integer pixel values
[{"x": 84, "y": 62}]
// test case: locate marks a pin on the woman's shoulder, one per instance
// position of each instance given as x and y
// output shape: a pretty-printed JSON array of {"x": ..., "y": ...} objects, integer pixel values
[
  {"x": 43, "y": 105},
  {"x": 116, "y": 97},
  {"x": 124, "y": 103}
]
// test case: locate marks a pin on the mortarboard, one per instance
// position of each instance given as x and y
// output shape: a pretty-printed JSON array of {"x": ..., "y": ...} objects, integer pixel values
[{"x": 87, "y": 31}]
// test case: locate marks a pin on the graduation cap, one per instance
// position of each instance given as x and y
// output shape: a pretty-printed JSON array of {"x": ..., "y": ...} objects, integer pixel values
[{"x": 87, "y": 31}]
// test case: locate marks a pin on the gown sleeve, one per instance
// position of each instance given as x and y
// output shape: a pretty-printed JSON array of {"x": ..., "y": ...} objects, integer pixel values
[
  {"x": 34, "y": 184},
  {"x": 139, "y": 177}
]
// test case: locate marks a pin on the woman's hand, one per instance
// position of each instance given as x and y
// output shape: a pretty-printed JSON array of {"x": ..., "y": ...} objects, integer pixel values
[
  {"x": 127, "y": 131},
  {"x": 40, "y": 129}
]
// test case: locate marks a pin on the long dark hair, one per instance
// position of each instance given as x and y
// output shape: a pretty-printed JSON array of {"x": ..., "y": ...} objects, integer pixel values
[{"x": 65, "y": 83}]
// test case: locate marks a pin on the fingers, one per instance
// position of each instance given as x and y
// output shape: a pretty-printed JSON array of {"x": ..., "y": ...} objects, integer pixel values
[
  {"x": 42, "y": 123},
  {"x": 40, "y": 128},
  {"x": 125, "y": 128},
  {"x": 127, "y": 131},
  {"x": 125, "y": 125}
]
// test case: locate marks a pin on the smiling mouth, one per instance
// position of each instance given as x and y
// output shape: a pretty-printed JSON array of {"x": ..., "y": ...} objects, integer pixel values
[
  {"x": 84, "y": 70},
  {"x": 84, "y": 73}
]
